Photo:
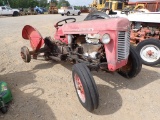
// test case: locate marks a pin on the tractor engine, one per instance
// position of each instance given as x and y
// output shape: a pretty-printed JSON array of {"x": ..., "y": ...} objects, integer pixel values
[
  {"x": 141, "y": 31},
  {"x": 91, "y": 45}
]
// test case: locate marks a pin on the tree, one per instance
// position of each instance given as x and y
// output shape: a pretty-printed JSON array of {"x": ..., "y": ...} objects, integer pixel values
[
  {"x": 24, "y": 3},
  {"x": 1, "y": 2},
  {"x": 33, "y": 3},
  {"x": 42, "y": 3},
  {"x": 63, "y": 3}
]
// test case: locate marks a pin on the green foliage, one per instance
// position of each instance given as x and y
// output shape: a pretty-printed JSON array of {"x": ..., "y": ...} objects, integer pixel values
[
  {"x": 24, "y": 3},
  {"x": 80, "y": 7},
  {"x": 33, "y": 3},
  {"x": 63, "y": 3},
  {"x": 2, "y": 2}
]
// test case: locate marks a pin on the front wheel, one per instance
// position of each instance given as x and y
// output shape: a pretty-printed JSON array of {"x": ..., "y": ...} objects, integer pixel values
[
  {"x": 149, "y": 51},
  {"x": 25, "y": 54},
  {"x": 133, "y": 66},
  {"x": 85, "y": 87}
]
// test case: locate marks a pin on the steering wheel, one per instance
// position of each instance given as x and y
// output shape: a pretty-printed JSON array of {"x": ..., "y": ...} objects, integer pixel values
[{"x": 58, "y": 23}]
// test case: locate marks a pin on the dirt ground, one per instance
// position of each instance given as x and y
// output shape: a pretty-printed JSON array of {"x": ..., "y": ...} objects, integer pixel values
[{"x": 43, "y": 90}]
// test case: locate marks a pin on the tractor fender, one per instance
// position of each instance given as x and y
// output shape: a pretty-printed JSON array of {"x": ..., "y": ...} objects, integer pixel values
[{"x": 32, "y": 34}]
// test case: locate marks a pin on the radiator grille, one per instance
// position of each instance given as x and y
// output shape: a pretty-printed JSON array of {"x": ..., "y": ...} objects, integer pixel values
[{"x": 123, "y": 45}]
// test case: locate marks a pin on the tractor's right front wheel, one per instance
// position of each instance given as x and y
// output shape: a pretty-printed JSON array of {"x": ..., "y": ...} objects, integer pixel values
[
  {"x": 85, "y": 87},
  {"x": 133, "y": 66}
]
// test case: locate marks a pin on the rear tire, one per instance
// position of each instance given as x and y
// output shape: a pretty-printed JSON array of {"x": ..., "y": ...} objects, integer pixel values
[
  {"x": 62, "y": 14},
  {"x": 85, "y": 87},
  {"x": 149, "y": 51},
  {"x": 15, "y": 13},
  {"x": 133, "y": 67}
]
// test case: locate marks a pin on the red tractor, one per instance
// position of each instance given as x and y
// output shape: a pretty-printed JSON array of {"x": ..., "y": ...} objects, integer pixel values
[{"x": 102, "y": 44}]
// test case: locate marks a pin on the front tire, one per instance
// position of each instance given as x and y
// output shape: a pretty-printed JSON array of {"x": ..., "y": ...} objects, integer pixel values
[
  {"x": 25, "y": 54},
  {"x": 85, "y": 87},
  {"x": 62, "y": 14},
  {"x": 149, "y": 51},
  {"x": 133, "y": 67}
]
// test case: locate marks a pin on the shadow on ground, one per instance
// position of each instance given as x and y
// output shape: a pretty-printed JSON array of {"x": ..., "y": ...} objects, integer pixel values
[
  {"x": 110, "y": 99},
  {"x": 144, "y": 78},
  {"x": 26, "y": 104},
  {"x": 50, "y": 64}
]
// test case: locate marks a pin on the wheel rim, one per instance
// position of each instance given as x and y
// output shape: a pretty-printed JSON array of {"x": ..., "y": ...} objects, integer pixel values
[
  {"x": 150, "y": 53},
  {"x": 23, "y": 56},
  {"x": 79, "y": 88}
]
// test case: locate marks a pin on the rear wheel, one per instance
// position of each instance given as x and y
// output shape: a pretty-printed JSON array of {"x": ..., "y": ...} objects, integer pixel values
[
  {"x": 133, "y": 67},
  {"x": 149, "y": 51},
  {"x": 15, "y": 13},
  {"x": 62, "y": 14},
  {"x": 25, "y": 54},
  {"x": 85, "y": 87}
]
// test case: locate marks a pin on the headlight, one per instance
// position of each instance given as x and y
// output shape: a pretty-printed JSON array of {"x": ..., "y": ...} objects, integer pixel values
[{"x": 106, "y": 39}]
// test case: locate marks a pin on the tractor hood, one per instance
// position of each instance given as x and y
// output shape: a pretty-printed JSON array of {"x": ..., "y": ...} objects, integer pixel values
[{"x": 95, "y": 26}]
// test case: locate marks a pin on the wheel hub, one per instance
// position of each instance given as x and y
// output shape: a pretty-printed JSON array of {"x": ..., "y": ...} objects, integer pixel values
[
  {"x": 150, "y": 53},
  {"x": 22, "y": 55},
  {"x": 25, "y": 54},
  {"x": 79, "y": 88}
]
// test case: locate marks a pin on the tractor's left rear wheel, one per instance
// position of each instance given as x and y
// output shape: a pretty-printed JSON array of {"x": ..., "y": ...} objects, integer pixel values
[{"x": 25, "y": 54}]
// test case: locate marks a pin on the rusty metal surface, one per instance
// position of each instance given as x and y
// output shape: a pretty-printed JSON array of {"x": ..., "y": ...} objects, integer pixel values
[
  {"x": 152, "y": 6},
  {"x": 146, "y": 32}
]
